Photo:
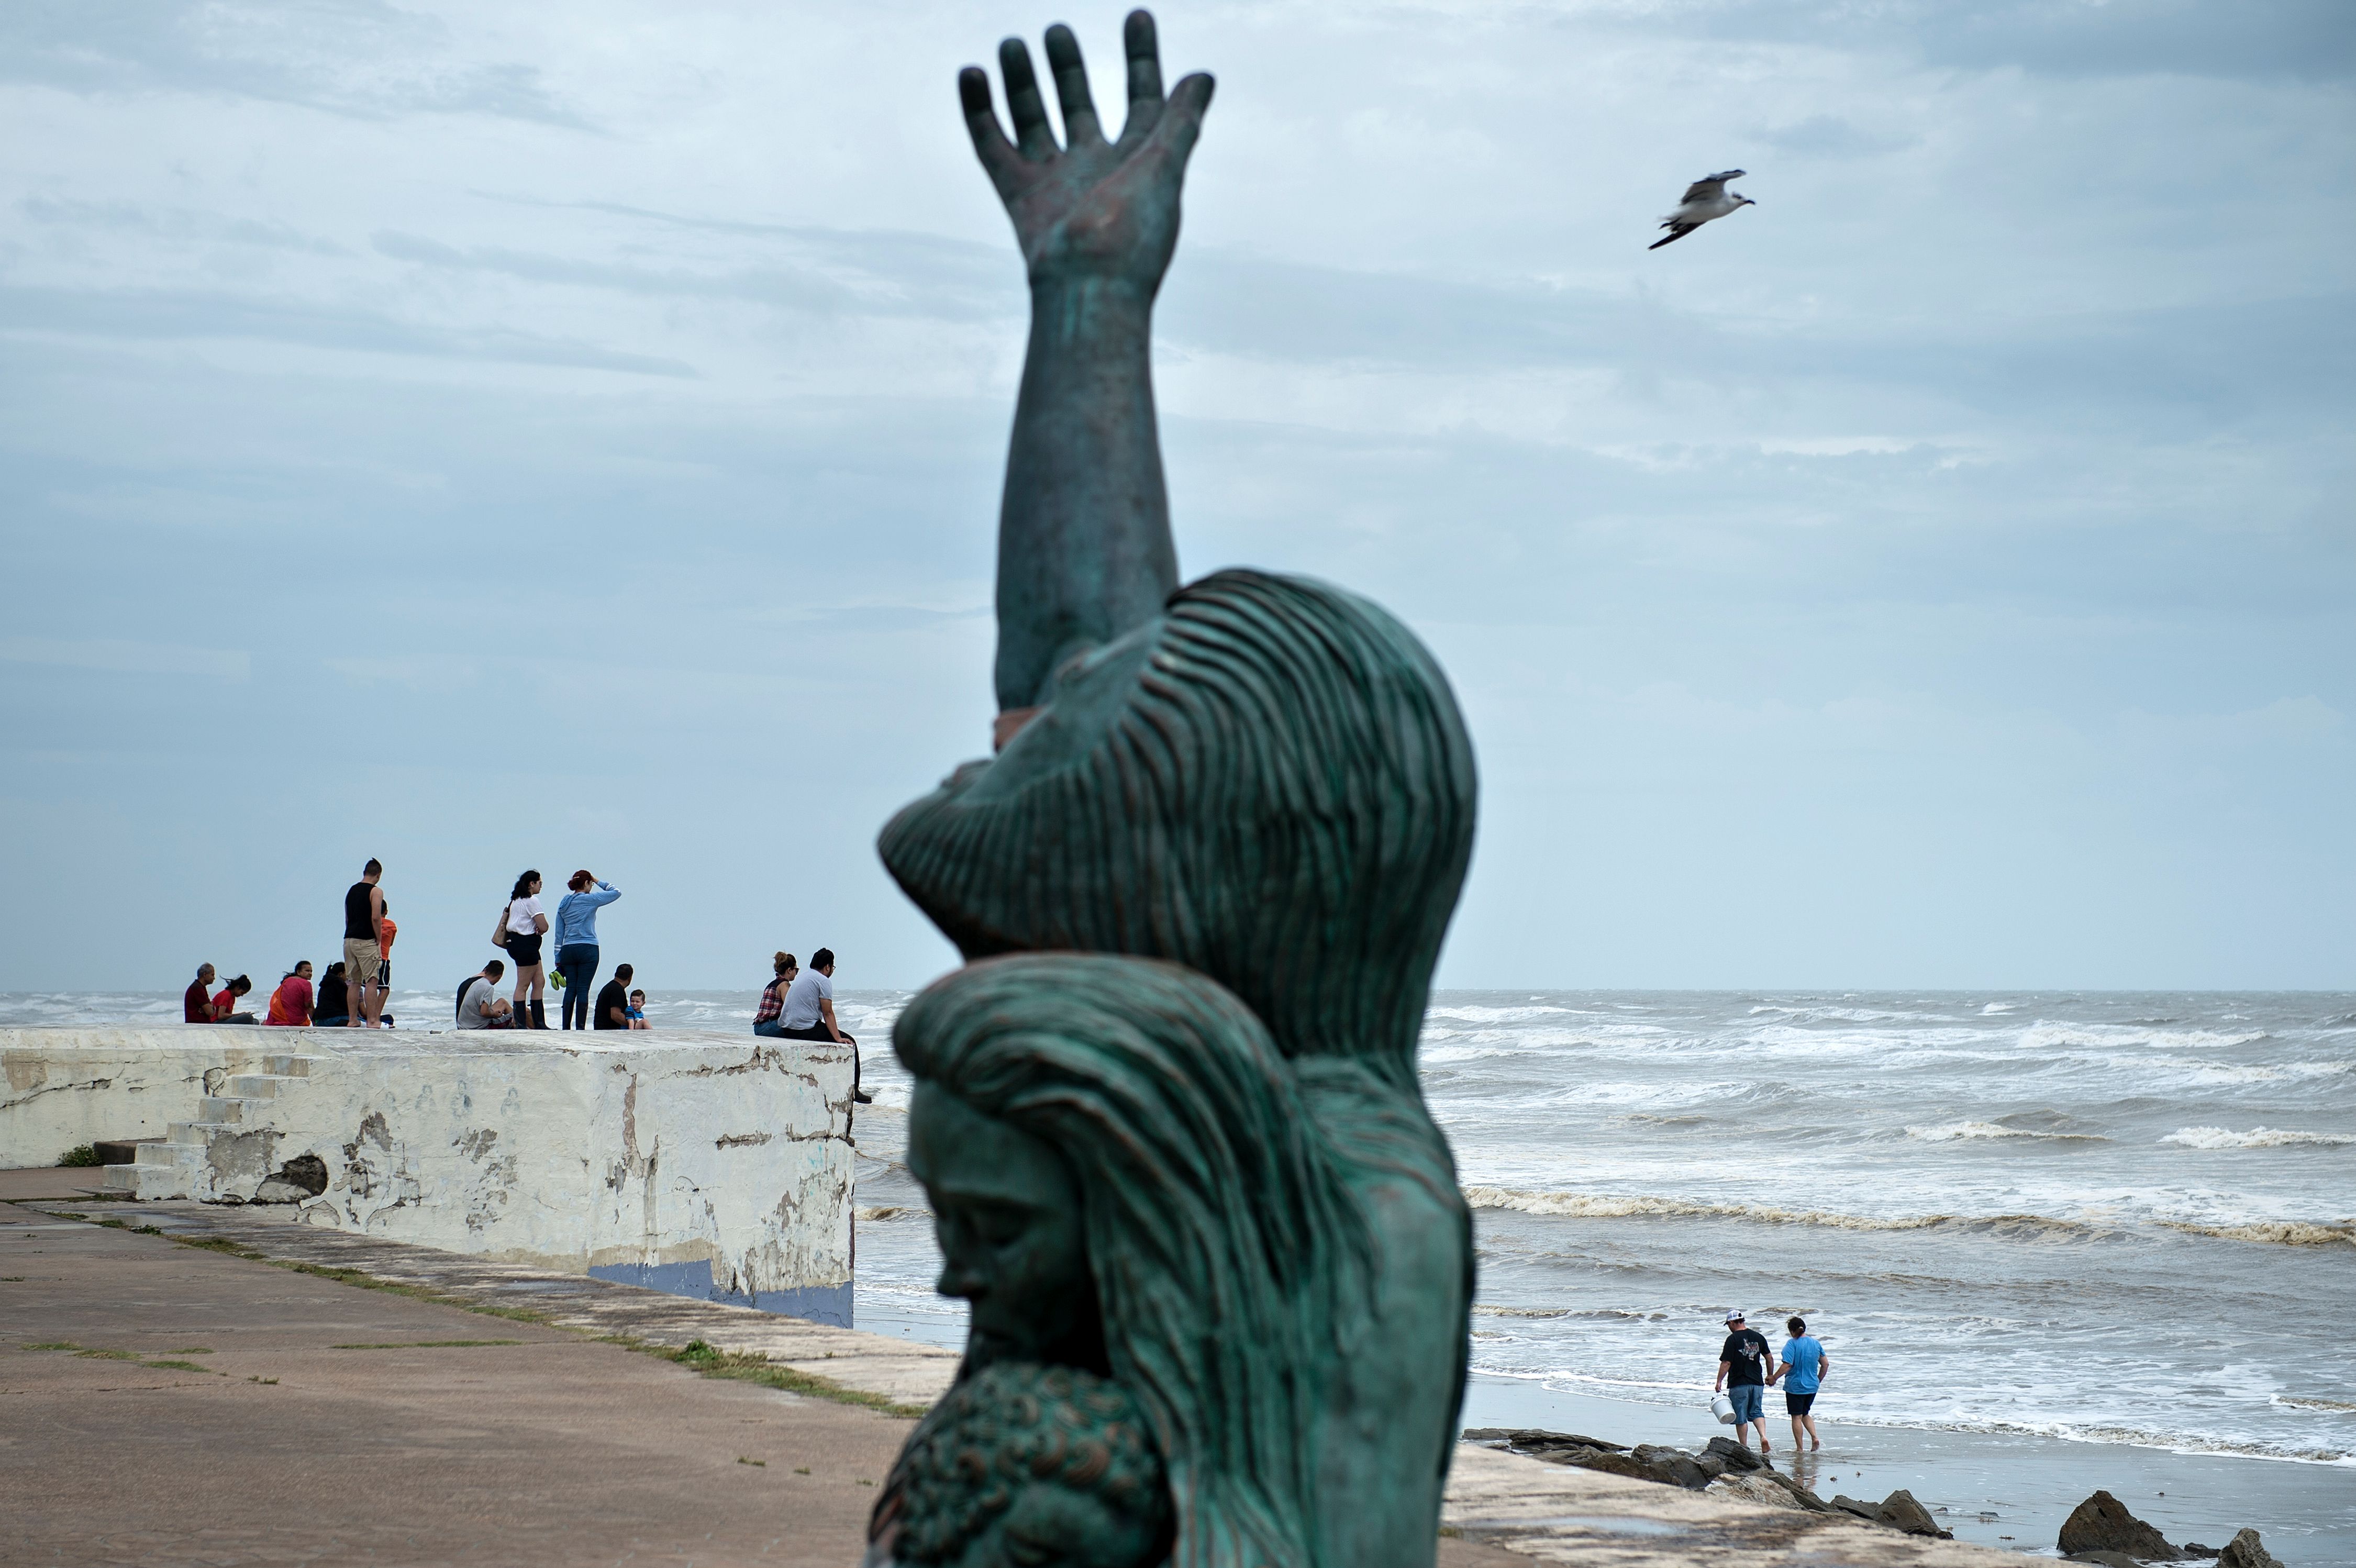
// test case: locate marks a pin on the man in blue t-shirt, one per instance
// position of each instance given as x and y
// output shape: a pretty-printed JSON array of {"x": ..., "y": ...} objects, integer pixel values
[{"x": 1802, "y": 1374}]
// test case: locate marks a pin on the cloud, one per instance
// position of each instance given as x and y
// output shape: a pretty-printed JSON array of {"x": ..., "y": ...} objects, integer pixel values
[
  {"x": 2255, "y": 38},
  {"x": 174, "y": 223},
  {"x": 357, "y": 58},
  {"x": 117, "y": 657},
  {"x": 1830, "y": 136},
  {"x": 168, "y": 315}
]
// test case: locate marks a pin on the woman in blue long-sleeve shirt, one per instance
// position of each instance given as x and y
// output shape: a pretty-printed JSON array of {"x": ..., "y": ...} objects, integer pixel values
[{"x": 576, "y": 942}]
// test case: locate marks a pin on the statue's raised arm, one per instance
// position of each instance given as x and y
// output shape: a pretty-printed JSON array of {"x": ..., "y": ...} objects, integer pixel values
[
  {"x": 1173, "y": 1136},
  {"x": 1084, "y": 550}
]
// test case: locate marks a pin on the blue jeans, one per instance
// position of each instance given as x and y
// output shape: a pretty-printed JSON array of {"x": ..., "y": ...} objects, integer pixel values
[
  {"x": 1749, "y": 1401},
  {"x": 577, "y": 962}
]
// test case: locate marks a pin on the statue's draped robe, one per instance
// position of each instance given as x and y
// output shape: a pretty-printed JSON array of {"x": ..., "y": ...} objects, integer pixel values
[{"x": 1269, "y": 784}]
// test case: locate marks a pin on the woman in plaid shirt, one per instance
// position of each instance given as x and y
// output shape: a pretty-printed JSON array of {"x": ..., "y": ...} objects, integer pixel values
[{"x": 773, "y": 998}]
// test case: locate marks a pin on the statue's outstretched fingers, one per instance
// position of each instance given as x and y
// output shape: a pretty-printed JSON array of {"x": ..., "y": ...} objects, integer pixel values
[
  {"x": 1144, "y": 49},
  {"x": 1080, "y": 127},
  {"x": 1182, "y": 122},
  {"x": 1031, "y": 132},
  {"x": 999, "y": 158}
]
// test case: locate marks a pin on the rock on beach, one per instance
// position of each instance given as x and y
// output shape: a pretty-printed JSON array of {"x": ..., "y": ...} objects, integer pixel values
[
  {"x": 2245, "y": 1551},
  {"x": 2102, "y": 1523},
  {"x": 2100, "y": 1530}
]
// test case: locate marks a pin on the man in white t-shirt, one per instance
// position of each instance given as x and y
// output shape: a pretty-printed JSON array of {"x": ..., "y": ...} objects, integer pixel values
[
  {"x": 480, "y": 1006},
  {"x": 809, "y": 1014}
]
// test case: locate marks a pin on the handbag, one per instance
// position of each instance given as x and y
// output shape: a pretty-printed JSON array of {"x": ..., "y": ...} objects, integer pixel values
[{"x": 500, "y": 931}]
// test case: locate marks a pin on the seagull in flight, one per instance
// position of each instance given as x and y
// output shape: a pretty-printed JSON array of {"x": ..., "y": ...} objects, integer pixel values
[{"x": 1705, "y": 198}]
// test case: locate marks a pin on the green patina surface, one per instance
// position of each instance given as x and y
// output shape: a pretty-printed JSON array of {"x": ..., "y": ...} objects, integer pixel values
[{"x": 1168, "y": 1116}]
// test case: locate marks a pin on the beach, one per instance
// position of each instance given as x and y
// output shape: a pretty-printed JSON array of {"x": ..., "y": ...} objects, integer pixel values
[{"x": 2052, "y": 1243}]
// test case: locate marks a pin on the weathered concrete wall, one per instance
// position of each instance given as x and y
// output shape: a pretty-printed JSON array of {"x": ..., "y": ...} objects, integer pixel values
[
  {"x": 707, "y": 1164},
  {"x": 69, "y": 1087}
]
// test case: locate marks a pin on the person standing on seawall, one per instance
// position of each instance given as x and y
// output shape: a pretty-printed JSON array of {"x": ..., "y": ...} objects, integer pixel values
[
  {"x": 1742, "y": 1363},
  {"x": 772, "y": 997},
  {"x": 525, "y": 925},
  {"x": 1802, "y": 1374},
  {"x": 385, "y": 931},
  {"x": 363, "y": 946},
  {"x": 809, "y": 1013},
  {"x": 576, "y": 944}
]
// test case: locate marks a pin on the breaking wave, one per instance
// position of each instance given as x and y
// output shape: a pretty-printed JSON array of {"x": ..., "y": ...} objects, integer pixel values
[
  {"x": 1950, "y": 1132},
  {"x": 2132, "y": 1436},
  {"x": 2045, "y": 1035},
  {"x": 2277, "y": 1232},
  {"x": 2255, "y": 1138},
  {"x": 1598, "y": 1205},
  {"x": 2298, "y": 1402},
  {"x": 1618, "y": 1314}
]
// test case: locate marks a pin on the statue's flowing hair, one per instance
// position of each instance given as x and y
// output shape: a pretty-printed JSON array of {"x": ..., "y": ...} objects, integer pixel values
[
  {"x": 1224, "y": 1244},
  {"x": 1284, "y": 802}
]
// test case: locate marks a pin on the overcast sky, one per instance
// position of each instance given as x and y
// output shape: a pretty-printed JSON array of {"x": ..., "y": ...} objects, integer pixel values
[{"x": 507, "y": 434}]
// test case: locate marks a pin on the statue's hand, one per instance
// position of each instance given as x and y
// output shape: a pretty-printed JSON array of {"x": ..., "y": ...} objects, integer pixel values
[{"x": 1092, "y": 209}]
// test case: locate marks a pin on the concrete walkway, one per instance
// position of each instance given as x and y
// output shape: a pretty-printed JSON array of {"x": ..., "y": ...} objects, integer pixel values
[
  {"x": 200, "y": 1408},
  {"x": 222, "y": 1403}
]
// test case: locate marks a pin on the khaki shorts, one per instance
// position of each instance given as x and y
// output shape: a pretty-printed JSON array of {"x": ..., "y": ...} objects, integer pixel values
[{"x": 362, "y": 956}]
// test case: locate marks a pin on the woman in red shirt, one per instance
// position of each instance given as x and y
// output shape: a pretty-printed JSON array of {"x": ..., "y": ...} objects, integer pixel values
[
  {"x": 225, "y": 1002},
  {"x": 290, "y": 1004}
]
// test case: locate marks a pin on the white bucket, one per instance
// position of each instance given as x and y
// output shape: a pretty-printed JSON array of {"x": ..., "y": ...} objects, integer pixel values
[{"x": 1722, "y": 1408}]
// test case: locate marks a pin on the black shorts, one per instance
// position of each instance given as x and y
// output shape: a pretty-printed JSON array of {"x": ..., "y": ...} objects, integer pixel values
[
  {"x": 523, "y": 951},
  {"x": 1797, "y": 1404}
]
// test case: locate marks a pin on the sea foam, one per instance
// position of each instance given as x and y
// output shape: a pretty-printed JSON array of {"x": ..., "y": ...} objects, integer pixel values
[{"x": 2255, "y": 1138}]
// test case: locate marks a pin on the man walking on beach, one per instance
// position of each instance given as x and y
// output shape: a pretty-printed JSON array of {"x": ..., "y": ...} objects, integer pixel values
[
  {"x": 1802, "y": 1374},
  {"x": 364, "y": 946},
  {"x": 1742, "y": 1363},
  {"x": 809, "y": 1013}
]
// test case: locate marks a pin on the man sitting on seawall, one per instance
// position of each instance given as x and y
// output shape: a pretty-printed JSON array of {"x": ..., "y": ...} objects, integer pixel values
[
  {"x": 808, "y": 1015},
  {"x": 480, "y": 1006},
  {"x": 196, "y": 1003},
  {"x": 612, "y": 1009}
]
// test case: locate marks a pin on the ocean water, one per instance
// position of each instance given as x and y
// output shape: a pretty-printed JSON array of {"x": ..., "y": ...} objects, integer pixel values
[
  {"x": 2110, "y": 1219},
  {"x": 2101, "y": 1217}
]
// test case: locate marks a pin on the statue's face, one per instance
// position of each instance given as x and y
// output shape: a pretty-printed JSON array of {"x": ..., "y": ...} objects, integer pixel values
[{"x": 1007, "y": 1216}]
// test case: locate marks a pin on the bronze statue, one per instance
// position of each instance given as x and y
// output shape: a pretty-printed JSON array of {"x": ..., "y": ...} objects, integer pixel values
[{"x": 1168, "y": 1115}]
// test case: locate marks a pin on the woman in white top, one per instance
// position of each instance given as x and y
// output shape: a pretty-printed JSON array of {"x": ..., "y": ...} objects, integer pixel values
[{"x": 525, "y": 926}]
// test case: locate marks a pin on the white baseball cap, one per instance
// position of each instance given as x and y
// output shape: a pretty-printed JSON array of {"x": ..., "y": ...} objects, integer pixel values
[{"x": 1734, "y": 1316}]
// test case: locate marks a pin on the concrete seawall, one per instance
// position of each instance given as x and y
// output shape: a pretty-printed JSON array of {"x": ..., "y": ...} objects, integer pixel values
[{"x": 705, "y": 1164}]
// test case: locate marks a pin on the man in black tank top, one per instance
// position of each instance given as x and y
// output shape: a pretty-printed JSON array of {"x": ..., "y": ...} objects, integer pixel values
[{"x": 363, "y": 954}]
